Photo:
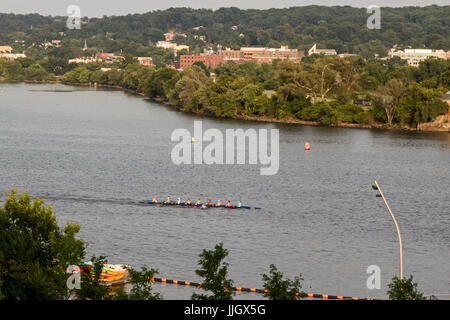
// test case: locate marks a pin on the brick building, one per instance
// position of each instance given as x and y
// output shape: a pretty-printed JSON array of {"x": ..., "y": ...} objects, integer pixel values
[
  {"x": 261, "y": 54},
  {"x": 209, "y": 60}
]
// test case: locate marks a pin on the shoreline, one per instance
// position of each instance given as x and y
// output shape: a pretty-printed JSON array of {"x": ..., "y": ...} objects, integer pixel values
[{"x": 426, "y": 127}]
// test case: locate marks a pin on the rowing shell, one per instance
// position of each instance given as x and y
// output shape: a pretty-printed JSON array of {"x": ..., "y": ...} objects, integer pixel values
[{"x": 201, "y": 206}]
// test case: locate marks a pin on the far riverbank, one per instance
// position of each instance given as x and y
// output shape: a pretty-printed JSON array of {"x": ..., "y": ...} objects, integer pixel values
[{"x": 440, "y": 124}]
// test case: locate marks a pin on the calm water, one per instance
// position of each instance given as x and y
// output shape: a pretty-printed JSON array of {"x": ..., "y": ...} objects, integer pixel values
[{"x": 89, "y": 153}]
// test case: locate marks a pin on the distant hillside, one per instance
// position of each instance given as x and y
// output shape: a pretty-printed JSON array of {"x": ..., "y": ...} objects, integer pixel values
[{"x": 342, "y": 28}]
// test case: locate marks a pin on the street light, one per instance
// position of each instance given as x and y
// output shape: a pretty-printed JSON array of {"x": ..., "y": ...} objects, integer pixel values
[{"x": 377, "y": 187}]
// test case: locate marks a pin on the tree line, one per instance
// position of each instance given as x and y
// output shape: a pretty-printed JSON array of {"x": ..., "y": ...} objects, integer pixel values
[
  {"x": 35, "y": 253},
  {"x": 340, "y": 27},
  {"x": 321, "y": 88}
]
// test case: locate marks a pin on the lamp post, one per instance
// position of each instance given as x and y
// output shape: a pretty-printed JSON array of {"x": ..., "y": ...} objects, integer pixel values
[{"x": 377, "y": 187}]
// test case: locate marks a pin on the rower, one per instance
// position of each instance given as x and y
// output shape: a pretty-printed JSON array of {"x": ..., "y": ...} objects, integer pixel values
[
  {"x": 239, "y": 204},
  {"x": 154, "y": 200},
  {"x": 218, "y": 203},
  {"x": 168, "y": 200},
  {"x": 208, "y": 204},
  {"x": 197, "y": 203},
  {"x": 228, "y": 205},
  {"x": 179, "y": 201},
  {"x": 188, "y": 201}
]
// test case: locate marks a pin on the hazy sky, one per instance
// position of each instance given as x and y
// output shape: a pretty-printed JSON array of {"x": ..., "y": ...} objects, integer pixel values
[{"x": 97, "y": 8}]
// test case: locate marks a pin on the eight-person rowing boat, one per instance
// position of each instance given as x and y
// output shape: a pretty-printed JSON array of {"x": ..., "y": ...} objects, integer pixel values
[{"x": 197, "y": 204}]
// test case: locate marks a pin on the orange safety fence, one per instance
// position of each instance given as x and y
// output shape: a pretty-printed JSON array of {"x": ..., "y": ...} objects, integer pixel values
[{"x": 241, "y": 289}]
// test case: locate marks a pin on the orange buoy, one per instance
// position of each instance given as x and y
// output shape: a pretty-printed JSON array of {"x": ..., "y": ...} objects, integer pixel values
[{"x": 307, "y": 147}]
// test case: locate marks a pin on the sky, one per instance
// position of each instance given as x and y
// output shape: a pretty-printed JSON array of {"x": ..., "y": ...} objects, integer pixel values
[{"x": 98, "y": 8}]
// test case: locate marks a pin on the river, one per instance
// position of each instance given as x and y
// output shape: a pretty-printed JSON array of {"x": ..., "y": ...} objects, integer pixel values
[{"x": 92, "y": 153}]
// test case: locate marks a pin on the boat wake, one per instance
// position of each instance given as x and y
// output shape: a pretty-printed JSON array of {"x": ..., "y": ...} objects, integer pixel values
[{"x": 78, "y": 198}]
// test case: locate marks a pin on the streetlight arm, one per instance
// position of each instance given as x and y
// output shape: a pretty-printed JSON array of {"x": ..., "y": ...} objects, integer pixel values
[{"x": 396, "y": 226}]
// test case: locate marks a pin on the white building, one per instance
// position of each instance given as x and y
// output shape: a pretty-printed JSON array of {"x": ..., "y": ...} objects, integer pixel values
[
  {"x": 12, "y": 56},
  {"x": 166, "y": 45},
  {"x": 327, "y": 52},
  {"x": 82, "y": 60},
  {"x": 5, "y": 49},
  {"x": 414, "y": 56},
  {"x": 146, "y": 61}
]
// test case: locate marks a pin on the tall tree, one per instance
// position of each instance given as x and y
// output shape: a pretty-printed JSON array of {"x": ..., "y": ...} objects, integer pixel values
[
  {"x": 280, "y": 289},
  {"x": 215, "y": 272},
  {"x": 34, "y": 251},
  {"x": 389, "y": 95}
]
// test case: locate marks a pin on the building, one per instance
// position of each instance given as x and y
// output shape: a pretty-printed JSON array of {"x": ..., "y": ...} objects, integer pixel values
[
  {"x": 345, "y": 55},
  {"x": 446, "y": 98},
  {"x": 108, "y": 57},
  {"x": 172, "y": 46},
  {"x": 415, "y": 56},
  {"x": 83, "y": 60},
  {"x": 261, "y": 54},
  {"x": 146, "y": 61},
  {"x": 327, "y": 52},
  {"x": 5, "y": 49},
  {"x": 267, "y": 55},
  {"x": 181, "y": 47},
  {"x": 12, "y": 56},
  {"x": 169, "y": 35},
  {"x": 56, "y": 43},
  {"x": 209, "y": 60},
  {"x": 232, "y": 55},
  {"x": 166, "y": 45}
]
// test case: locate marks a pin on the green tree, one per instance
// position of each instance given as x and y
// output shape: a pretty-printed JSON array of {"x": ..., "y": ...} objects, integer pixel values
[
  {"x": 420, "y": 105},
  {"x": 127, "y": 60},
  {"x": 84, "y": 76},
  {"x": 35, "y": 72},
  {"x": 141, "y": 286},
  {"x": 92, "y": 287},
  {"x": 404, "y": 289},
  {"x": 214, "y": 271},
  {"x": 389, "y": 95},
  {"x": 34, "y": 251},
  {"x": 279, "y": 289}
]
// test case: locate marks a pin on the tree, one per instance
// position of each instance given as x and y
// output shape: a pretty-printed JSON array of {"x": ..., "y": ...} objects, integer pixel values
[
  {"x": 187, "y": 90},
  {"x": 141, "y": 286},
  {"x": 318, "y": 77},
  {"x": 404, "y": 289},
  {"x": 127, "y": 60},
  {"x": 35, "y": 72},
  {"x": 390, "y": 95},
  {"x": 91, "y": 287},
  {"x": 214, "y": 271},
  {"x": 279, "y": 289},
  {"x": 420, "y": 105},
  {"x": 34, "y": 251}
]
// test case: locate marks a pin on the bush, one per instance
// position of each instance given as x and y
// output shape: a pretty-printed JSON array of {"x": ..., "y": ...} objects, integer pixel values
[{"x": 279, "y": 289}]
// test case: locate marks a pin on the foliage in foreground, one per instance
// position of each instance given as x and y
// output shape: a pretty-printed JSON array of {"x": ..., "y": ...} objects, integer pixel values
[
  {"x": 404, "y": 289},
  {"x": 34, "y": 251},
  {"x": 279, "y": 289},
  {"x": 141, "y": 286},
  {"x": 35, "y": 254},
  {"x": 214, "y": 271}
]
